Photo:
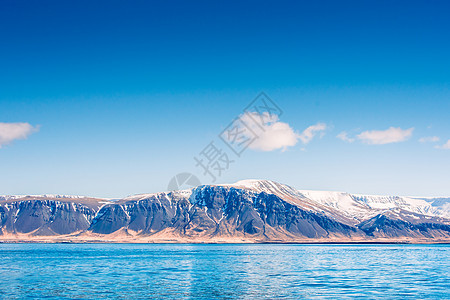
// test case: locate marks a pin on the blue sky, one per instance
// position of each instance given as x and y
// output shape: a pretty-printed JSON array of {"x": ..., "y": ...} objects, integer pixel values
[{"x": 122, "y": 96}]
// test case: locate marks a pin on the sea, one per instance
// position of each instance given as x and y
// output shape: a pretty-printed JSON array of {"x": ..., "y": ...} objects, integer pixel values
[{"x": 224, "y": 271}]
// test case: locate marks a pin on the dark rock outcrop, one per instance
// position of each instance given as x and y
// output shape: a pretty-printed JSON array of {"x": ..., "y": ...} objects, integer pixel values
[
  {"x": 218, "y": 211},
  {"x": 45, "y": 217},
  {"x": 385, "y": 226}
]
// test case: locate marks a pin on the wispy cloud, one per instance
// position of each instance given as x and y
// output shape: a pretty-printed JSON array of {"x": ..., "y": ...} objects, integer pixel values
[
  {"x": 309, "y": 133},
  {"x": 15, "y": 131},
  {"x": 429, "y": 139},
  {"x": 388, "y": 136},
  {"x": 446, "y": 146},
  {"x": 344, "y": 136}
]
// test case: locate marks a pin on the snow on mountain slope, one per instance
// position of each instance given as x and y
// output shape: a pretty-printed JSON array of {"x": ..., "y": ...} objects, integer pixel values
[
  {"x": 50, "y": 196},
  {"x": 353, "y": 206},
  {"x": 364, "y": 206},
  {"x": 269, "y": 187},
  {"x": 180, "y": 194},
  {"x": 343, "y": 202},
  {"x": 283, "y": 191},
  {"x": 441, "y": 203}
]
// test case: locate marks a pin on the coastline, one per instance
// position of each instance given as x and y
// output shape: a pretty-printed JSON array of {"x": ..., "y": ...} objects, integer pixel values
[{"x": 229, "y": 241}]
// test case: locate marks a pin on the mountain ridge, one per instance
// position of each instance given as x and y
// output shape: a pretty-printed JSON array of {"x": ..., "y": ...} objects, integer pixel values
[{"x": 246, "y": 211}]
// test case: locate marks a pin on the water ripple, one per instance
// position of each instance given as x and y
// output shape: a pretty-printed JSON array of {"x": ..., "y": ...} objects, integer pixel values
[{"x": 124, "y": 271}]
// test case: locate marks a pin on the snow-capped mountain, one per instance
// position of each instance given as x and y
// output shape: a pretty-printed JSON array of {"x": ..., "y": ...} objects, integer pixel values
[
  {"x": 365, "y": 206},
  {"x": 356, "y": 206},
  {"x": 246, "y": 211}
]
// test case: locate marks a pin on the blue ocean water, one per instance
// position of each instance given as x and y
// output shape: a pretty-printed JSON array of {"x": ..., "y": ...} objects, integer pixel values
[{"x": 165, "y": 271}]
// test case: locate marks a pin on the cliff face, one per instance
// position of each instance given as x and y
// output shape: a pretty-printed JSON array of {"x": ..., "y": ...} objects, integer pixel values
[
  {"x": 394, "y": 224},
  {"x": 207, "y": 213},
  {"x": 45, "y": 217},
  {"x": 218, "y": 211}
]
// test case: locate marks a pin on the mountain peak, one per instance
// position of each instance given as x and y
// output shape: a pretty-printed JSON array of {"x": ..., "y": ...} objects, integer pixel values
[{"x": 269, "y": 187}]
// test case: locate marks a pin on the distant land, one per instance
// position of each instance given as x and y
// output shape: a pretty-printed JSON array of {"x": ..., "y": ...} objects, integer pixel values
[{"x": 249, "y": 211}]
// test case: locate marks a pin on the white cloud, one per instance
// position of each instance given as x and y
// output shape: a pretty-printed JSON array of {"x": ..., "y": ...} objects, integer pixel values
[
  {"x": 344, "y": 136},
  {"x": 278, "y": 135},
  {"x": 429, "y": 139},
  {"x": 15, "y": 131},
  {"x": 273, "y": 134},
  {"x": 309, "y": 133},
  {"x": 381, "y": 137},
  {"x": 446, "y": 146}
]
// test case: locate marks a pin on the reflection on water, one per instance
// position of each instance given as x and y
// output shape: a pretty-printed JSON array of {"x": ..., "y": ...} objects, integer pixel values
[{"x": 223, "y": 271}]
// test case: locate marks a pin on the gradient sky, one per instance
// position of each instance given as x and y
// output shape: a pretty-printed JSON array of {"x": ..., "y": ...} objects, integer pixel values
[{"x": 126, "y": 93}]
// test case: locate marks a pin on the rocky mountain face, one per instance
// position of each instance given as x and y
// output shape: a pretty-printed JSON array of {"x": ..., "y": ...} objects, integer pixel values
[
  {"x": 46, "y": 216},
  {"x": 389, "y": 224},
  {"x": 248, "y": 211},
  {"x": 218, "y": 211}
]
